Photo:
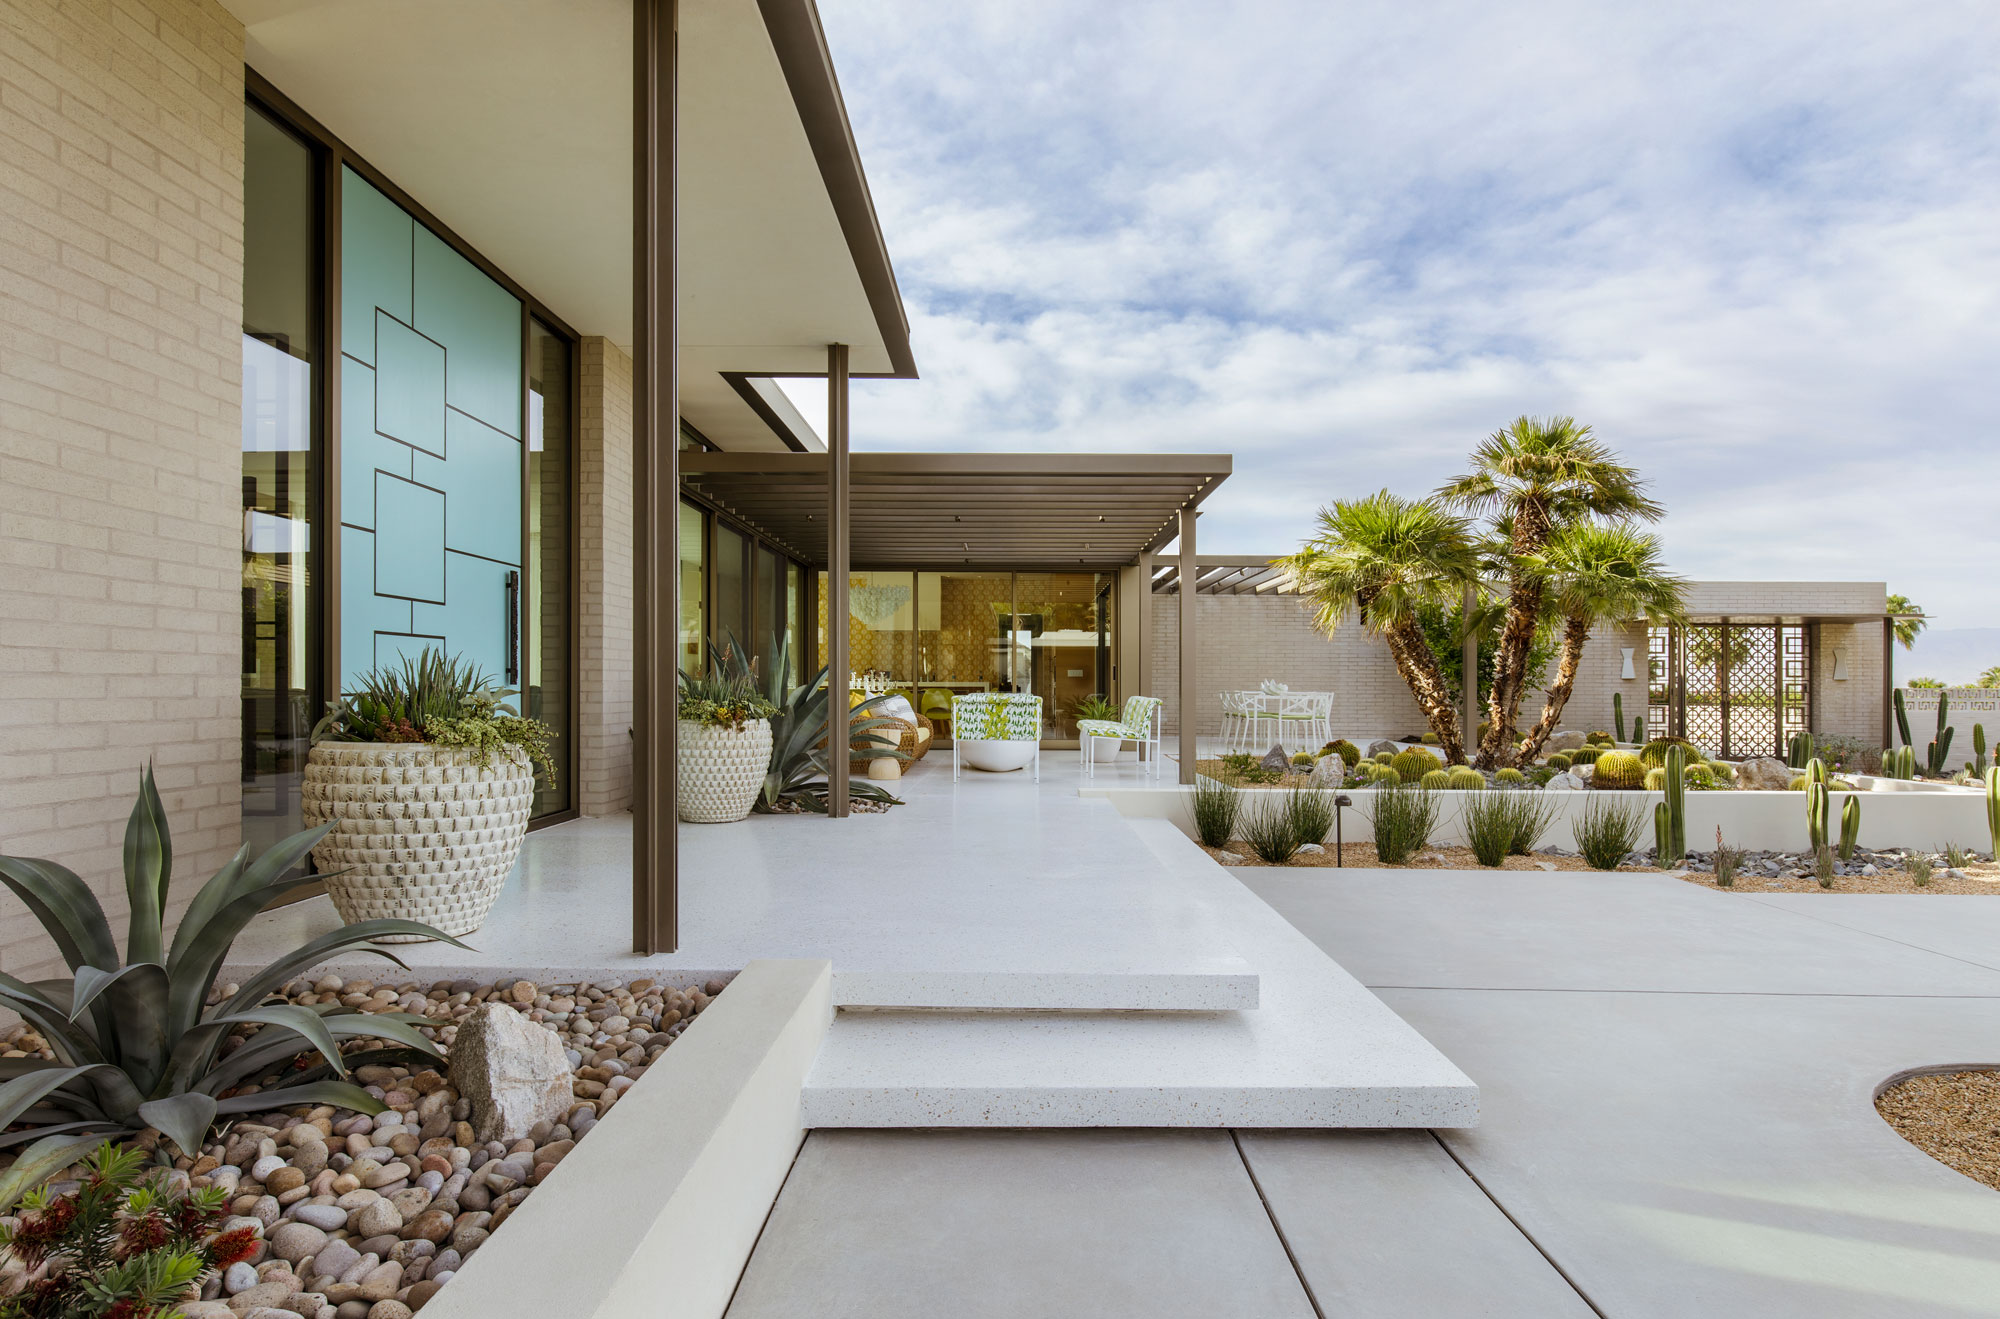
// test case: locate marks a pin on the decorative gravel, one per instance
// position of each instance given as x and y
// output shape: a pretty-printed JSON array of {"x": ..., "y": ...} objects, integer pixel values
[
  {"x": 1884, "y": 871},
  {"x": 366, "y": 1218},
  {"x": 1953, "y": 1116},
  {"x": 1362, "y": 856}
]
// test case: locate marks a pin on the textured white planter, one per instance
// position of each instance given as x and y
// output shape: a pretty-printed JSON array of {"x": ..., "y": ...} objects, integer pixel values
[
  {"x": 995, "y": 755},
  {"x": 1105, "y": 750},
  {"x": 721, "y": 770},
  {"x": 420, "y": 832}
]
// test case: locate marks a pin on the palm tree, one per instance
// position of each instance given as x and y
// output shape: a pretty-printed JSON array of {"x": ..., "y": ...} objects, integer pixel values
[
  {"x": 1990, "y": 678},
  {"x": 1537, "y": 476},
  {"x": 1385, "y": 557},
  {"x": 1597, "y": 573},
  {"x": 1909, "y": 619}
]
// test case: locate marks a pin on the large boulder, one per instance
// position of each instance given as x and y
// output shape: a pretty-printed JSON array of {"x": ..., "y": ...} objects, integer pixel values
[
  {"x": 1566, "y": 740},
  {"x": 514, "y": 1072},
  {"x": 1565, "y": 782},
  {"x": 1767, "y": 773},
  {"x": 1329, "y": 771},
  {"x": 1381, "y": 744},
  {"x": 1276, "y": 759}
]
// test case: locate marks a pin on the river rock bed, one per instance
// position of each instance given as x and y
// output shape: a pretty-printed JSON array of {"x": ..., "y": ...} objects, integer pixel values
[{"x": 367, "y": 1217}]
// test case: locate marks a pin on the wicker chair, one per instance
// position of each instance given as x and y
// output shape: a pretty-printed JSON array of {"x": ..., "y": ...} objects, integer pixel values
[{"x": 914, "y": 742}]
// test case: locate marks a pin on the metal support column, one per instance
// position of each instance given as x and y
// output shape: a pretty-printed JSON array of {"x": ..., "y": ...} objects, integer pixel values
[
  {"x": 656, "y": 494},
  {"x": 1189, "y": 702},
  {"x": 837, "y": 666},
  {"x": 1888, "y": 681},
  {"x": 1468, "y": 682}
]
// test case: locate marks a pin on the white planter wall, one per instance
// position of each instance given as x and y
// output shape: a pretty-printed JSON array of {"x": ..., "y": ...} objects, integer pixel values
[
  {"x": 1969, "y": 706},
  {"x": 1765, "y": 821}
]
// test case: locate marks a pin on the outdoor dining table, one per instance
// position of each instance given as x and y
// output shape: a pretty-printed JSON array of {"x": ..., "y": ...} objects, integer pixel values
[{"x": 1283, "y": 716}]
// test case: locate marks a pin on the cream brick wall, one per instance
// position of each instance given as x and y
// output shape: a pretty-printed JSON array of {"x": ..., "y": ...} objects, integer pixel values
[
  {"x": 1850, "y": 707},
  {"x": 604, "y": 527},
  {"x": 121, "y": 268}
]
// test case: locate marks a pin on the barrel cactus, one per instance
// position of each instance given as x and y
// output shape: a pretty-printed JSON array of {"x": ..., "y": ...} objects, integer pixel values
[
  {"x": 1654, "y": 753},
  {"x": 1618, "y": 769},
  {"x": 1467, "y": 779},
  {"x": 1586, "y": 755},
  {"x": 1656, "y": 779},
  {"x": 1384, "y": 757},
  {"x": 1798, "y": 783},
  {"x": 1559, "y": 761},
  {"x": 1349, "y": 753},
  {"x": 1387, "y": 777},
  {"x": 1436, "y": 780},
  {"x": 1700, "y": 777},
  {"x": 1414, "y": 764},
  {"x": 1510, "y": 776},
  {"x": 1723, "y": 774}
]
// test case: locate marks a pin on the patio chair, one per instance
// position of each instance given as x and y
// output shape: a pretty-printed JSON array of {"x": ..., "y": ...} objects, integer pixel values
[
  {"x": 1236, "y": 710},
  {"x": 1308, "y": 715},
  {"x": 1138, "y": 722},
  {"x": 996, "y": 732}
]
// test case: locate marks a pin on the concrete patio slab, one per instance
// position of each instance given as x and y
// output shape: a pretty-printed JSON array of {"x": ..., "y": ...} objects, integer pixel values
[
  {"x": 1150, "y": 1225},
  {"x": 1920, "y": 920},
  {"x": 1320, "y": 1051},
  {"x": 1384, "y": 1225},
  {"x": 992, "y": 893}
]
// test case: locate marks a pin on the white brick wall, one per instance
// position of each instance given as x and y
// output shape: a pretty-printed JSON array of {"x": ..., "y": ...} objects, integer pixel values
[
  {"x": 604, "y": 527},
  {"x": 121, "y": 258}
]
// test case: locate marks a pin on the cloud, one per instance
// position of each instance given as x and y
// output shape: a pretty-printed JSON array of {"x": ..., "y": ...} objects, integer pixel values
[{"x": 1755, "y": 246}]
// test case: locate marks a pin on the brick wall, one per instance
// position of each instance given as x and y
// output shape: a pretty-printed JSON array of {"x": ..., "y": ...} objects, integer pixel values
[
  {"x": 121, "y": 260},
  {"x": 1849, "y": 706},
  {"x": 604, "y": 527}
]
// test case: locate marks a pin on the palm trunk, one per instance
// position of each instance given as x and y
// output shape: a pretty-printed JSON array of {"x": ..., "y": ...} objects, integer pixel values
[
  {"x": 1524, "y": 611},
  {"x": 1419, "y": 669},
  {"x": 1575, "y": 632}
]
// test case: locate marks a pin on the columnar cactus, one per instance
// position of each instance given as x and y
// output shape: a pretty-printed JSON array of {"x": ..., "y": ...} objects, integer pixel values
[
  {"x": 1902, "y": 716},
  {"x": 1993, "y": 808},
  {"x": 1819, "y": 804},
  {"x": 1850, "y": 826},
  {"x": 1670, "y": 816},
  {"x": 1939, "y": 751},
  {"x": 1801, "y": 750},
  {"x": 1979, "y": 750},
  {"x": 1618, "y": 713}
]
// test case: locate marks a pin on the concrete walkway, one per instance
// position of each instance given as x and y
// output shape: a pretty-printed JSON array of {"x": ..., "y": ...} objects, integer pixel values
[{"x": 1677, "y": 1122}]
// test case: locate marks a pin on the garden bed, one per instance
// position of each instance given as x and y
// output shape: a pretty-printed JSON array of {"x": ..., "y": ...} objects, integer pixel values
[
  {"x": 1952, "y": 1116},
  {"x": 1892, "y": 875},
  {"x": 1362, "y": 855},
  {"x": 365, "y": 1217}
]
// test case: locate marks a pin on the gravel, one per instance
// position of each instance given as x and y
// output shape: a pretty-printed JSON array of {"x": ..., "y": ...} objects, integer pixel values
[{"x": 1953, "y": 1116}]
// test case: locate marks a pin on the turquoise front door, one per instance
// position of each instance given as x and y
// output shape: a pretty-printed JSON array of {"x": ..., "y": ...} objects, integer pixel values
[{"x": 431, "y": 468}]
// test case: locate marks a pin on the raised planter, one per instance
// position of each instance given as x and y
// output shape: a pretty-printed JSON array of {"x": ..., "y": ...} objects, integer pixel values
[
  {"x": 721, "y": 770},
  {"x": 421, "y": 832}
]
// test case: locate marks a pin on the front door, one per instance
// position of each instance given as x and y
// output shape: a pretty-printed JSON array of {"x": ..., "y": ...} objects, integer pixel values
[
  {"x": 431, "y": 463},
  {"x": 1733, "y": 689}
]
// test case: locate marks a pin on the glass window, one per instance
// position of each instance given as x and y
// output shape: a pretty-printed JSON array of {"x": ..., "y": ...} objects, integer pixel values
[
  {"x": 964, "y": 621},
  {"x": 732, "y": 587},
  {"x": 794, "y": 643},
  {"x": 1065, "y": 621},
  {"x": 281, "y": 688},
  {"x": 694, "y": 588},
  {"x": 770, "y": 607},
  {"x": 546, "y": 687}
]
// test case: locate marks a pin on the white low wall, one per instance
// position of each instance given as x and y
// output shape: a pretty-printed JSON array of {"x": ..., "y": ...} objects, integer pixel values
[
  {"x": 655, "y": 1212},
  {"x": 1969, "y": 706},
  {"x": 1766, "y": 821}
]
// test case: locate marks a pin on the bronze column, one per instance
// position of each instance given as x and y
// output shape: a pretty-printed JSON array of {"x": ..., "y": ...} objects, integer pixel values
[
  {"x": 836, "y": 580},
  {"x": 1190, "y": 579},
  {"x": 656, "y": 496}
]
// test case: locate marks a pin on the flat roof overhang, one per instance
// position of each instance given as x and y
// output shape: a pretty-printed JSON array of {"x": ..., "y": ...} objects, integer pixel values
[
  {"x": 944, "y": 511},
  {"x": 510, "y": 122}
]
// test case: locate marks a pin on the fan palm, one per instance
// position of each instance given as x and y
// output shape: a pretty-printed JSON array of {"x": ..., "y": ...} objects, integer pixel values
[
  {"x": 135, "y": 1043},
  {"x": 1537, "y": 475},
  {"x": 1597, "y": 573},
  {"x": 1907, "y": 619},
  {"x": 1385, "y": 558}
]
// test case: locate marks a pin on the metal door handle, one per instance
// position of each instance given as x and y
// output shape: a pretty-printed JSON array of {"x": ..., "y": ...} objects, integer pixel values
[{"x": 513, "y": 628}]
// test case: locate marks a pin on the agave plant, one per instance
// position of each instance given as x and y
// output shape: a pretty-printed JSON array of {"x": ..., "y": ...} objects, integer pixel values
[
  {"x": 137, "y": 1045},
  {"x": 797, "y": 775}
]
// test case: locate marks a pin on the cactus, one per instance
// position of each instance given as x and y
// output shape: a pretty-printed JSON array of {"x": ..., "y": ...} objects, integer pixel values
[
  {"x": 1801, "y": 750},
  {"x": 1464, "y": 778},
  {"x": 1899, "y": 762},
  {"x": 1559, "y": 761},
  {"x": 1654, "y": 753},
  {"x": 1618, "y": 769},
  {"x": 1436, "y": 780},
  {"x": 1386, "y": 777},
  {"x": 1850, "y": 827},
  {"x": 1818, "y": 805},
  {"x": 1979, "y": 750},
  {"x": 1993, "y": 808},
  {"x": 1670, "y": 816},
  {"x": 1384, "y": 757},
  {"x": 1700, "y": 777},
  {"x": 1902, "y": 716},
  {"x": 1618, "y": 711},
  {"x": 1656, "y": 778},
  {"x": 1816, "y": 772},
  {"x": 1585, "y": 756},
  {"x": 1509, "y": 776},
  {"x": 1414, "y": 764},
  {"x": 1938, "y": 754},
  {"x": 1638, "y": 728},
  {"x": 1721, "y": 773}
]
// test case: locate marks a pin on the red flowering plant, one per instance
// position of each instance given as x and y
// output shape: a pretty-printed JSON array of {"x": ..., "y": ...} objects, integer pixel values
[{"x": 128, "y": 1243}]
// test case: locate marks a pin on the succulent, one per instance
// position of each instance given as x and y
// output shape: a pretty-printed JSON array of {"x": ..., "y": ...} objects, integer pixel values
[
  {"x": 1979, "y": 750},
  {"x": 1509, "y": 776},
  {"x": 1600, "y": 735},
  {"x": 1464, "y": 778},
  {"x": 1656, "y": 778},
  {"x": 1902, "y": 716},
  {"x": 1700, "y": 777},
  {"x": 1617, "y": 713},
  {"x": 1721, "y": 773},
  {"x": 1654, "y": 753},
  {"x": 1386, "y": 776},
  {"x": 1349, "y": 753},
  {"x": 1384, "y": 757},
  {"x": 1436, "y": 780},
  {"x": 1586, "y": 755},
  {"x": 1819, "y": 806},
  {"x": 797, "y": 772},
  {"x": 136, "y": 1045},
  {"x": 1670, "y": 815},
  {"x": 1939, "y": 752},
  {"x": 1303, "y": 759},
  {"x": 441, "y": 700},
  {"x": 1414, "y": 764},
  {"x": 1618, "y": 769},
  {"x": 1798, "y": 783},
  {"x": 1799, "y": 750},
  {"x": 1850, "y": 827},
  {"x": 1559, "y": 761}
]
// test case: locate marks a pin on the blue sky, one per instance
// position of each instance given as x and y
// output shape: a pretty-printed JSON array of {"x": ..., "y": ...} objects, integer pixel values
[{"x": 1756, "y": 246}]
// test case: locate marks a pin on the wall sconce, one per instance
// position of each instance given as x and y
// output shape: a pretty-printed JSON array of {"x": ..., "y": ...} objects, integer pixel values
[
  {"x": 1627, "y": 672},
  {"x": 1839, "y": 665}
]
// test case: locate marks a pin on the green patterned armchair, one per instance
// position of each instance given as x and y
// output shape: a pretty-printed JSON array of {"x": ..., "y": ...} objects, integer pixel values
[
  {"x": 1138, "y": 722},
  {"x": 996, "y": 731}
]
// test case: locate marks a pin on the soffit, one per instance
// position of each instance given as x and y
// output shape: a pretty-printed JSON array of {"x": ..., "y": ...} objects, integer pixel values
[
  {"x": 511, "y": 122},
  {"x": 934, "y": 510}
]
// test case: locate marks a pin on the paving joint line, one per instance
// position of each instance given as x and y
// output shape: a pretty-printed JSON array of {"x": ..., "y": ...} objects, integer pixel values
[
  {"x": 1873, "y": 934},
  {"x": 1276, "y": 1227},
  {"x": 758, "y": 1240},
  {"x": 1526, "y": 1235},
  {"x": 1689, "y": 993}
]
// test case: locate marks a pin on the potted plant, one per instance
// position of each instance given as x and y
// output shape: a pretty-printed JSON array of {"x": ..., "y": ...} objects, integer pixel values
[
  {"x": 725, "y": 745},
  {"x": 427, "y": 777},
  {"x": 1103, "y": 750}
]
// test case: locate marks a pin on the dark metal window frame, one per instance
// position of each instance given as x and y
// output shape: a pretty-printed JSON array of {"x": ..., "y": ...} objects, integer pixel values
[
  {"x": 332, "y": 154},
  {"x": 714, "y": 516}
]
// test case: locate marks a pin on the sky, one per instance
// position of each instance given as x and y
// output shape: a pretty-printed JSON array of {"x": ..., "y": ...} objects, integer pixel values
[{"x": 1756, "y": 247}]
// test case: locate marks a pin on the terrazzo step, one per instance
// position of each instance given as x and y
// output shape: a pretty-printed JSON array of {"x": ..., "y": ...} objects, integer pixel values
[
  {"x": 1320, "y": 1050},
  {"x": 1227, "y": 984}
]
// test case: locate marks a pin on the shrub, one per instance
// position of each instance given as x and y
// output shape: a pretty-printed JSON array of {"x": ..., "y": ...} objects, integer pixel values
[
  {"x": 1509, "y": 776},
  {"x": 1728, "y": 861},
  {"x": 134, "y": 1047},
  {"x": 1094, "y": 706},
  {"x": 1559, "y": 761},
  {"x": 123, "y": 1244},
  {"x": 1956, "y": 857},
  {"x": 1311, "y": 814},
  {"x": 1606, "y": 832},
  {"x": 1349, "y": 753},
  {"x": 1414, "y": 764},
  {"x": 1618, "y": 770},
  {"x": 1268, "y": 828},
  {"x": 1403, "y": 819},
  {"x": 1920, "y": 870},
  {"x": 1216, "y": 806},
  {"x": 1533, "y": 814},
  {"x": 1656, "y": 779},
  {"x": 1489, "y": 826},
  {"x": 1464, "y": 778},
  {"x": 1437, "y": 780}
]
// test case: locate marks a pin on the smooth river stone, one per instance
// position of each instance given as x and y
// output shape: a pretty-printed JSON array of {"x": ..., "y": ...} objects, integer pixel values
[
  {"x": 327, "y": 1218},
  {"x": 336, "y": 1258},
  {"x": 294, "y": 1241}
]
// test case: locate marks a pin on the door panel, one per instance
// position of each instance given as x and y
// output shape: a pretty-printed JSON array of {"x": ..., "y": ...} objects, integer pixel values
[{"x": 431, "y": 464}]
